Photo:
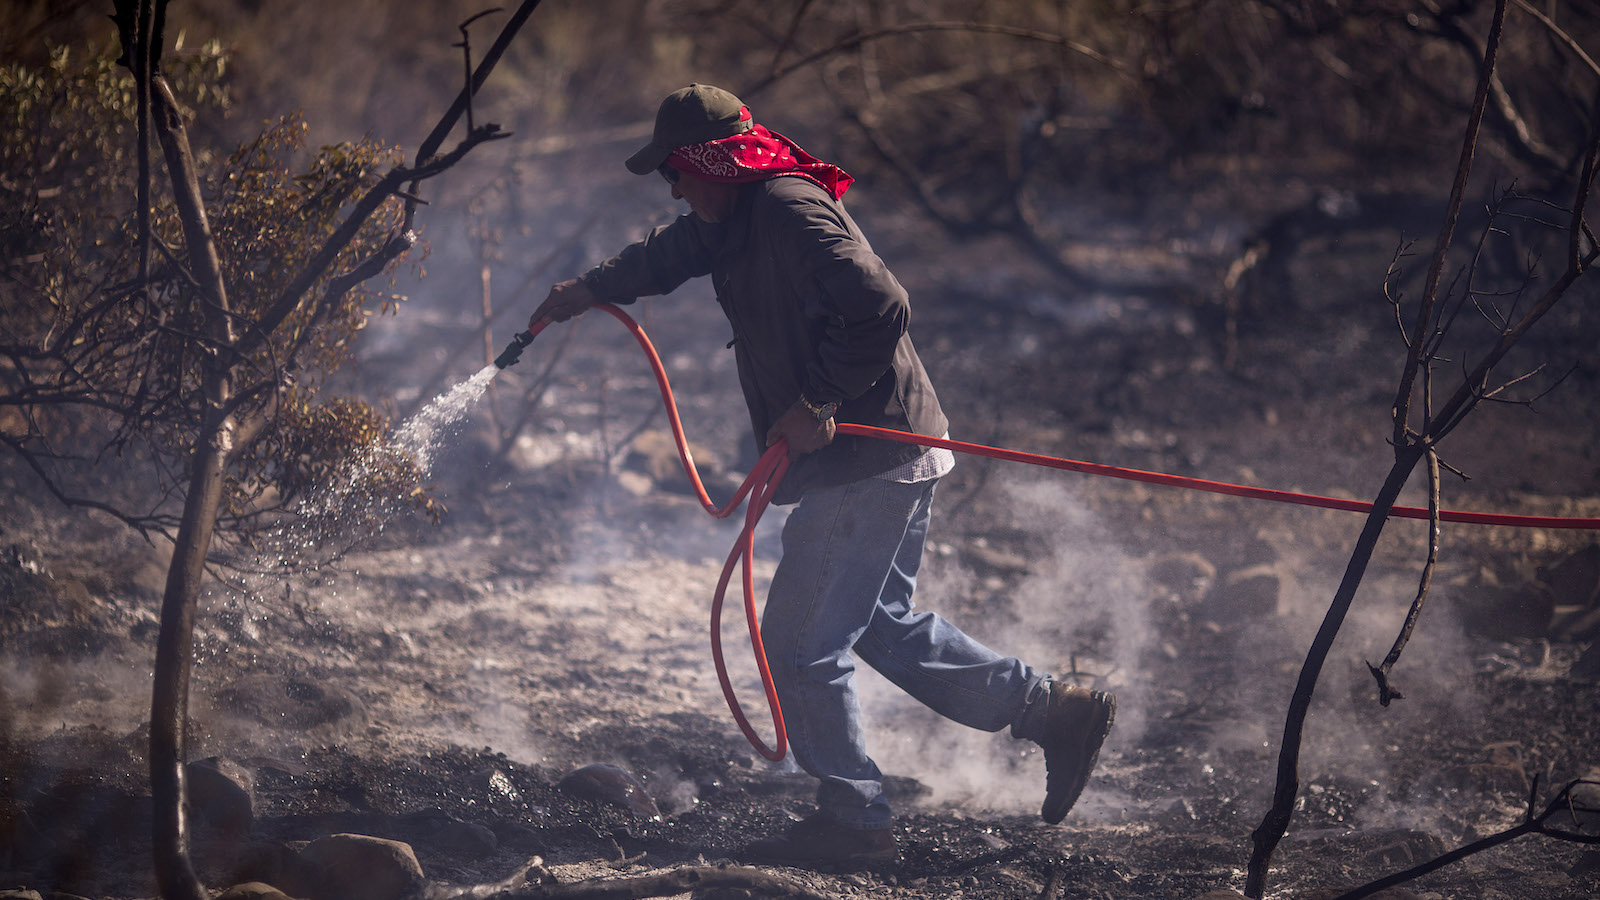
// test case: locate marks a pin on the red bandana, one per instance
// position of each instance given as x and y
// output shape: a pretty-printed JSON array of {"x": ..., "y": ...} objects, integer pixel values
[{"x": 756, "y": 155}]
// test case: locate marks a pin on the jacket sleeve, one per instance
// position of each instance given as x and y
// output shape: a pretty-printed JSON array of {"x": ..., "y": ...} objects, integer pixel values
[
  {"x": 666, "y": 258},
  {"x": 862, "y": 310}
]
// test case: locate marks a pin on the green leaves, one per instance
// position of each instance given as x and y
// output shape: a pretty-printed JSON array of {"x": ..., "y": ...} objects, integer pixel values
[{"x": 101, "y": 357}]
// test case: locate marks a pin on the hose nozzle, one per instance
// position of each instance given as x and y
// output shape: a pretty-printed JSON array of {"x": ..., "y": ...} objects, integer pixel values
[{"x": 513, "y": 350}]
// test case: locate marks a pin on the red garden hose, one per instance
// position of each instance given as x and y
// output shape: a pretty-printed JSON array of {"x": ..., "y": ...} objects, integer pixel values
[
  {"x": 769, "y": 471},
  {"x": 759, "y": 485}
]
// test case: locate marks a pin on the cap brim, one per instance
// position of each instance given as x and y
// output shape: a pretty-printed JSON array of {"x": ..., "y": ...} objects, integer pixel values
[{"x": 648, "y": 159}]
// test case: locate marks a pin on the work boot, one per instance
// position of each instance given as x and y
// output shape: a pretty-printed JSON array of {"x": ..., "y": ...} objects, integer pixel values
[
  {"x": 1076, "y": 721},
  {"x": 818, "y": 842}
]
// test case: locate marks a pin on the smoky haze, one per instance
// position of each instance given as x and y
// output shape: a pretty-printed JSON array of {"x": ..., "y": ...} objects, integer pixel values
[{"x": 1174, "y": 261}]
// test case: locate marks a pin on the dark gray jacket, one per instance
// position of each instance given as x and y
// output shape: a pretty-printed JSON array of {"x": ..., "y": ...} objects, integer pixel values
[{"x": 813, "y": 310}]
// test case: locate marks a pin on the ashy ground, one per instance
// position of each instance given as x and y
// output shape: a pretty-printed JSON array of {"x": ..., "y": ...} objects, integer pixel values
[{"x": 436, "y": 683}]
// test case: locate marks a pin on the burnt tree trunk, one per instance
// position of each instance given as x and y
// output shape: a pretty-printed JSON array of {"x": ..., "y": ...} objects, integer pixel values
[
  {"x": 1413, "y": 445},
  {"x": 1276, "y": 822},
  {"x": 219, "y": 434},
  {"x": 207, "y": 461},
  {"x": 170, "y": 691}
]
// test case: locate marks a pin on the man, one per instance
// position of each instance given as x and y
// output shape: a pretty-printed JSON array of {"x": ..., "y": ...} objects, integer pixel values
[{"x": 820, "y": 335}]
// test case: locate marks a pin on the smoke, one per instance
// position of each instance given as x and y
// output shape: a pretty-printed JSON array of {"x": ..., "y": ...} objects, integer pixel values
[
  {"x": 1349, "y": 737},
  {"x": 1080, "y": 612},
  {"x": 49, "y": 702},
  {"x": 1085, "y": 610}
]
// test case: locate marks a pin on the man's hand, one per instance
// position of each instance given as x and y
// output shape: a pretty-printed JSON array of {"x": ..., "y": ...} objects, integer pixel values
[
  {"x": 565, "y": 300},
  {"x": 802, "y": 430}
]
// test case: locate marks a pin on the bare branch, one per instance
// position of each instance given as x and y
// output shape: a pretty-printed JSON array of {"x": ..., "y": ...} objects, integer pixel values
[
  {"x": 1409, "y": 449},
  {"x": 1522, "y": 136},
  {"x": 447, "y": 122},
  {"x": 142, "y": 524},
  {"x": 293, "y": 294},
  {"x": 1390, "y": 280},
  {"x": 1493, "y": 393},
  {"x": 851, "y": 42},
  {"x": 1560, "y": 35},
  {"x": 1532, "y": 824},
  {"x": 466, "y": 57},
  {"x": 1470, "y": 393},
  {"x": 1386, "y": 690},
  {"x": 1469, "y": 146}
]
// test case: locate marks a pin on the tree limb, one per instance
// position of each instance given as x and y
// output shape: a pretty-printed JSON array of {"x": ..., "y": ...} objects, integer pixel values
[
  {"x": 1560, "y": 35},
  {"x": 463, "y": 100},
  {"x": 293, "y": 294},
  {"x": 1386, "y": 690},
  {"x": 853, "y": 41},
  {"x": 1401, "y": 410},
  {"x": 1409, "y": 449},
  {"x": 1275, "y": 823},
  {"x": 1531, "y": 824},
  {"x": 1521, "y": 133}
]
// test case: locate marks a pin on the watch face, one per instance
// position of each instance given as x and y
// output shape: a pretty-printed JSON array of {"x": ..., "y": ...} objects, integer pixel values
[{"x": 821, "y": 412}]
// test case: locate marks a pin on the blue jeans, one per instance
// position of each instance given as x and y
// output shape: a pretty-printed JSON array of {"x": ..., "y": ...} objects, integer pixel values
[{"x": 844, "y": 584}]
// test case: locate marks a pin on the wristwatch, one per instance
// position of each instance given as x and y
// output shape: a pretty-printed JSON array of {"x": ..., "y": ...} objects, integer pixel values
[{"x": 821, "y": 412}]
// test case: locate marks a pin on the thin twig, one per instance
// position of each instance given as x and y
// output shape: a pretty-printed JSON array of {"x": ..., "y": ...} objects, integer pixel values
[
  {"x": 1560, "y": 35},
  {"x": 466, "y": 59},
  {"x": 1386, "y": 690},
  {"x": 851, "y": 42},
  {"x": 1469, "y": 147}
]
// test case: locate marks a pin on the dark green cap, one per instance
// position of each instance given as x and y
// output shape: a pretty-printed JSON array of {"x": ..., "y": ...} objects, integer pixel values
[{"x": 691, "y": 115}]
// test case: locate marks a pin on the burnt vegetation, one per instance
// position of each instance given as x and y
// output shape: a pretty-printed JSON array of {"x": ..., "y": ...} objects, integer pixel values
[{"x": 1286, "y": 242}]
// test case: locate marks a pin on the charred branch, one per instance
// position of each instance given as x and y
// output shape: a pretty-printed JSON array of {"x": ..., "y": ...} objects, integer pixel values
[
  {"x": 1276, "y": 822},
  {"x": 1409, "y": 448},
  {"x": 1520, "y": 133},
  {"x": 463, "y": 101},
  {"x": 855, "y": 41},
  {"x": 1415, "y": 359},
  {"x": 1537, "y": 823},
  {"x": 466, "y": 57},
  {"x": 1386, "y": 690}
]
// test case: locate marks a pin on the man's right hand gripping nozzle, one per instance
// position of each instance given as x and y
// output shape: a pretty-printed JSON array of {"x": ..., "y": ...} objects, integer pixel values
[{"x": 565, "y": 300}]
